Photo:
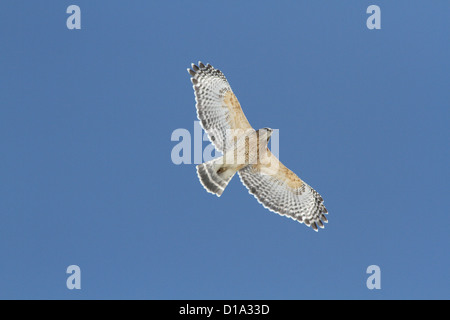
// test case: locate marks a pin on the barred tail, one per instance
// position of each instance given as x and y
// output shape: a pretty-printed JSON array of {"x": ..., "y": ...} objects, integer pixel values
[{"x": 215, "y": 176}]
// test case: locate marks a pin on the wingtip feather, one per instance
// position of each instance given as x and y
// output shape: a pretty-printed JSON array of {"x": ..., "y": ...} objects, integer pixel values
[{"x": 191, "y": 72}]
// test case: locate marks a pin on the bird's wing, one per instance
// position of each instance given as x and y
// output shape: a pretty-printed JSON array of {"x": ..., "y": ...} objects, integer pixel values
[
  {"x": 280, "y": 190},
  {"x": 218, "y": 109}
]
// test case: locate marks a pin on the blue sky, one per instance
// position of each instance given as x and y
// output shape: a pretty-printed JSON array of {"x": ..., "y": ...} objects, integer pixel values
[{"x": 86, "y": 176}]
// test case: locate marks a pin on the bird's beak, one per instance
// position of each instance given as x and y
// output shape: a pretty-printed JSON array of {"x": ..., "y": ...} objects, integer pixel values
[{"x": 269, "y": 135}]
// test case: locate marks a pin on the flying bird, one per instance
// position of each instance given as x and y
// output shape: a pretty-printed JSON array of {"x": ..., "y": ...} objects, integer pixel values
[{"x": 245, "y": 151}]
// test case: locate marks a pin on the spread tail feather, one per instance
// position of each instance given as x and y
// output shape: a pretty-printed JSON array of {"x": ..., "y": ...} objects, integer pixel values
[{"x": 215, "y": 176}]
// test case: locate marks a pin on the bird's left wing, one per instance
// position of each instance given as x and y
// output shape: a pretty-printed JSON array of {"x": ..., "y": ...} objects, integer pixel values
[
  {"x": 280, "y": 190},
  {"x": 218, "y": 109}
]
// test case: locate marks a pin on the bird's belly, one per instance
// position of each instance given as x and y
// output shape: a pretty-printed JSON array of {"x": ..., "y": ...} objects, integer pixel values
[{"x": 245, "y": 151}]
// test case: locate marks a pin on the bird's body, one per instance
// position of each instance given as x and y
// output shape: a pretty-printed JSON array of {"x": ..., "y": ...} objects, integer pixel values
[
  {"x": 249, "y": 147},
  {"x": 245, "y": 151}
]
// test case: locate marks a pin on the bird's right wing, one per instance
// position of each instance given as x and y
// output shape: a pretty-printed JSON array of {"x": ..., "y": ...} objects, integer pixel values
[
  {"x": 280, "y": 190},
  {"x": 218, "y": 109}
]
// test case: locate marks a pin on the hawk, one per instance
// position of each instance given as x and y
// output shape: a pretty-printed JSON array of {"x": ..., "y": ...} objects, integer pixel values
[{"x": 245, "y": 151}]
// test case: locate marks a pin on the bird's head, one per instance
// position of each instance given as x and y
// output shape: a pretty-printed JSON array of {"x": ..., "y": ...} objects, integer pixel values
[{"x": 265, "y": 132}]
